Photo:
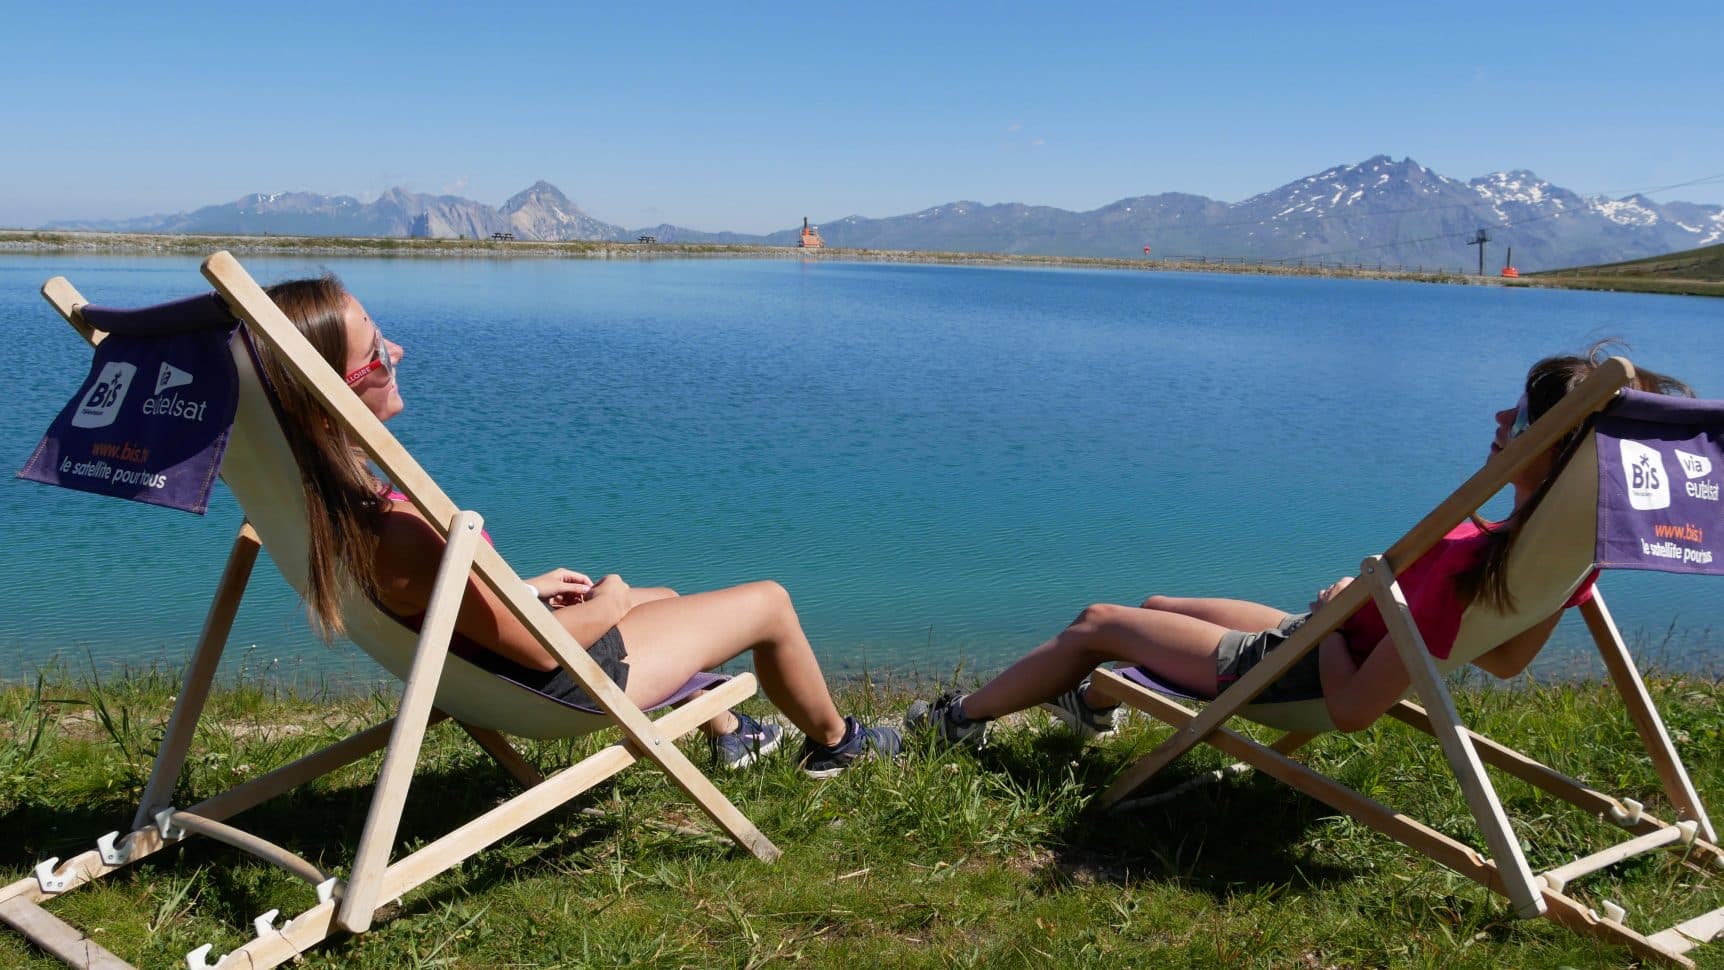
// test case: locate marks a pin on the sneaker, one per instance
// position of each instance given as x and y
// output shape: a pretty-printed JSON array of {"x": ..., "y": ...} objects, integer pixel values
[
  {"x": 747, "y": 744},
  {"x": 819, "y": 761},
  {"x": 1085, "y": 721},
  {"x": 944, "y": 720}
]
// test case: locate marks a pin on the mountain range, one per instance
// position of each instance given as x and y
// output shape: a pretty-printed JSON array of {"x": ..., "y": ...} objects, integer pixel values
[{"x": 1377, "y": 211}]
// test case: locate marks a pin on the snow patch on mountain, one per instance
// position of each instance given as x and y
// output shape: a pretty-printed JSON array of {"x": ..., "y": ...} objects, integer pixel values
[{"x": 1624, "y": 212}]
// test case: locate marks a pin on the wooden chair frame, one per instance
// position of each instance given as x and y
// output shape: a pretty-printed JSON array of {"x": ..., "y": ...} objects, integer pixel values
[
  {"x": 1506, "y": 871},
  {"x": 351, "y": 904}
]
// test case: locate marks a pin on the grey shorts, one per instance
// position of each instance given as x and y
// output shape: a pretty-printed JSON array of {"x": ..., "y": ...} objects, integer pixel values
[
  {"x": 1238, "y": 652},
  {"x": 610, "y": 654}
]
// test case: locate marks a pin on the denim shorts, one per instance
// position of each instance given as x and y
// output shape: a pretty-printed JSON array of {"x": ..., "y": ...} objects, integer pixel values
[{"x": 1238, "y": 652}]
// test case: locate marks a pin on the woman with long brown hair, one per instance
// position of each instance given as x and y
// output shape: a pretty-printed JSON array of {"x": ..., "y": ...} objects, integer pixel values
[
  {"x": 650, "y": 641},
  {"x": 1204, "y": 644}
]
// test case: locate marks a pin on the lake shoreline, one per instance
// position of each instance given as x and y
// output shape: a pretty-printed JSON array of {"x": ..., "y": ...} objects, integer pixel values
[{"x": 148, "y": 244}]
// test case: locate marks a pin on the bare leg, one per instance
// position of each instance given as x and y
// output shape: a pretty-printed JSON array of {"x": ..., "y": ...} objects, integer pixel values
[
  {"x": 723, "y": 722},
  {"x": 1232, "y": 614},
  {"x": 1175, "y": 646},
  {"x": 670, "y": 639},
  {"x": 639, "y": 596}
]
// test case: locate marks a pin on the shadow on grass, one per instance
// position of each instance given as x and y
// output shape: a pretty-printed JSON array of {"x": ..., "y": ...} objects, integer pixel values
[
  {"x": 1239, "y": 835},
  {"x": 323, "y": 825}
]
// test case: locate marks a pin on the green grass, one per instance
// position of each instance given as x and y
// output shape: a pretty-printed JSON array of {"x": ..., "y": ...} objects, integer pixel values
[
  {"x": 1691, "y": 272},
  {"x": 1705, "y": 263},
  {"x": 941, "y": 859}
]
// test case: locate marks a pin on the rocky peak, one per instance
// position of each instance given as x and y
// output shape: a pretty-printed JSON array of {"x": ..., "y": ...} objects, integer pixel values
[{"x": 542, "y": 194}]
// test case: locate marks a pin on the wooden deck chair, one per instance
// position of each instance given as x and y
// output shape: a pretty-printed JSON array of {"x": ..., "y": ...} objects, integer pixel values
[
  {"x": 260, "y": 471},
  {"x": 1550, "y": 560}
]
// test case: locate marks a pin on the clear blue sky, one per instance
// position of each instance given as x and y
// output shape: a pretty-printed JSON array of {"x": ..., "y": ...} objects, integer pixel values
[{"x": 748, "y": 117}]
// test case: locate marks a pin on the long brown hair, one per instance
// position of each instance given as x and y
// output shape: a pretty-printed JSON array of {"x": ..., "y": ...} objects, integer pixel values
[
  {"x": 1547, "y": 382},
  {"x": 344, "y": 501}
]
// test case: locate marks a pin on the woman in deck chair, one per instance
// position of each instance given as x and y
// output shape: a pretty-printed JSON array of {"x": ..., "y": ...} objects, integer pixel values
[
  {"x": 650, "y": 641},
  {"x": 1204, "y": 645}
]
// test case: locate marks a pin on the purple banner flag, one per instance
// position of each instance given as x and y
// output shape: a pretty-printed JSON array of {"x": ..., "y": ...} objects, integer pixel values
[
  {"x": 151, "y": 421},
  {"x": 1660, "y": 464}
]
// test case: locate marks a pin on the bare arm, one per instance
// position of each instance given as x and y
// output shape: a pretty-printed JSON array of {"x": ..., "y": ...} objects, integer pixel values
[
  {"x": 407, "y": 559},
  {"x": 1356, "y": 694},
  {"x": 1511, "y": 656}
]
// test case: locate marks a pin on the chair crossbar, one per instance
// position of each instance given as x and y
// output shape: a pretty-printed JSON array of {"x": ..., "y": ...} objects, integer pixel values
[
  {"x": 410, "y": 872},
  {"x": 251, "y": 844},
  {"x": 1535, "y": 773},
  {"x": 1561, "y": 876},
  {"x": 1687, "y": 935}
]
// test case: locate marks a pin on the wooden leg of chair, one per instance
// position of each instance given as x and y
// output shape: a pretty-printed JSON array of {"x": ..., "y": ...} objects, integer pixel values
[
  {"x": 635, "y": 725},
  {"x": 504, "y": 754},
  {"x": 472, "y": 838},
  {"x": 1439, "y": 847},
  {"x": 1532, "y": 771},
  {"x": 402, "y": 756},
  {"x": 1162, "y": 709},
  {"x": 1677, "y": 787},
  {"x": 1567, "y": 911},
  {"x": 59, "y": 938},
  {"x": 200, "y": 673},
  {"x": 1517, "y": 878}
]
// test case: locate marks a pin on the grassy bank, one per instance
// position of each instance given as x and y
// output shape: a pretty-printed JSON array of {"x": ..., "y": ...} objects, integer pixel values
[{"x": 940, "y": 860}]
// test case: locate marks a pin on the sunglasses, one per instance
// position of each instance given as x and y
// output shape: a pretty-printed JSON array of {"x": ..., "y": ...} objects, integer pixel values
[
  {"x": 380, "y": 360},
  {"x": 1522, "y": 420}
]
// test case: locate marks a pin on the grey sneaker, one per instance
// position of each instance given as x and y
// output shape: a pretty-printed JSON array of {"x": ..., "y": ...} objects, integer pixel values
[
  {"x": 944, "y": 720},
  {"x": 750, "y": 742},
  {"x": 819, "y": 761},
  {"x": 1084, "y": 720}
]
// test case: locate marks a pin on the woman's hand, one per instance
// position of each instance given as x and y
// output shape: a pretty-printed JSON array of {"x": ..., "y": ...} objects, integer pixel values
[
  {"x": 611, "y": 591},
  {"x": 561, "y": 587},
  {"x": 1329, "y": 592}
]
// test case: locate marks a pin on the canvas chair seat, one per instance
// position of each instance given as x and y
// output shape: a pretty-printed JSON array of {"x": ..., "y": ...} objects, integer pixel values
[{"x": 1579, "y": 523}]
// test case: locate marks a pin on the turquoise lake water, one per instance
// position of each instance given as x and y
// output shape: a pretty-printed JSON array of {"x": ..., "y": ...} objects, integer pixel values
[{"x": 942, "y": 464}]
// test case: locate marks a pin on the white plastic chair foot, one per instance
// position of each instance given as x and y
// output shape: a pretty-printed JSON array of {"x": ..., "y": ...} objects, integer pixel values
[
  {"x": 1689, "y": 829},
  {"x": 328, "y": 889},
  {"x": 198, "y": 959},
  {"x": 114, "y": 854},
  {"x": 264, "y": 925},
  {"x": 165, "y": 825},
  {"x": 48, "y": 879},
  {"x": 1629, "y": 813},
  {"x": 1612, "y": 913}
]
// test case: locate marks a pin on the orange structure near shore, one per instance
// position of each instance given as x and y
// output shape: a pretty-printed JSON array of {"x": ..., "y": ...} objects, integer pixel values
[{"x": 810, "y": 236}]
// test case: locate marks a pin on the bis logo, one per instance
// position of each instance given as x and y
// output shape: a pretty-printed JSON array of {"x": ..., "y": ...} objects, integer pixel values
[
  {"x": 1643, "y": 471},
  {"x": 102, "y": 406}
]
